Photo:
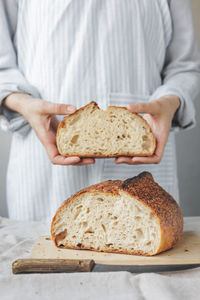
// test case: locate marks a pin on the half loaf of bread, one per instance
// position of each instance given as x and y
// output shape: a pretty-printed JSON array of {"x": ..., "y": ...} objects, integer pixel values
[
  {"x": 92, "y": 132},
  {"x": 135, "y": 216}
]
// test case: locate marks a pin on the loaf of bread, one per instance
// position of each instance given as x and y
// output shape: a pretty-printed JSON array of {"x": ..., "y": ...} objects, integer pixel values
[
  {"x": 92, "y": 132},
  {"x": 135, "y": 216}
]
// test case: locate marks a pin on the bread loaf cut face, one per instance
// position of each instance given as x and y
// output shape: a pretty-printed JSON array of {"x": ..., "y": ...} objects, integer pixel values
[
  {"x": 92, "y": 132},
  {"x": 135, "y": 216}
]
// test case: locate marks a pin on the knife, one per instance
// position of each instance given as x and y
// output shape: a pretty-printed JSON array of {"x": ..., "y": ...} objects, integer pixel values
[{"x": 30, "y": 265}]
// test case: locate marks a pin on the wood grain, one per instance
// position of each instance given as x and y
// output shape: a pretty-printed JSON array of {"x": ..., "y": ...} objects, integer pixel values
[{"x": 30, "y": 265}]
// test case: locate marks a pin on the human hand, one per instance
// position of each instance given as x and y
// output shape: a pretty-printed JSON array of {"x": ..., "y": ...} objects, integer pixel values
[
  {"x": 42, "y": 117},
  {"x": 159, "y": 115}
]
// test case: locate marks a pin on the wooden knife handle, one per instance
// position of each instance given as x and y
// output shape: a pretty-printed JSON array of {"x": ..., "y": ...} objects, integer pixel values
[{"x": 30, "y": 265}]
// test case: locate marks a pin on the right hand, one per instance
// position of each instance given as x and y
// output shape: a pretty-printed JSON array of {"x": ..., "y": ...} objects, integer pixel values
[{"x": 42, "y": 117}]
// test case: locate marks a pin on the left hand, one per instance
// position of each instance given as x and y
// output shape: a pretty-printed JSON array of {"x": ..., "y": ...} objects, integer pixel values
[{"x": 159, "y": 115}]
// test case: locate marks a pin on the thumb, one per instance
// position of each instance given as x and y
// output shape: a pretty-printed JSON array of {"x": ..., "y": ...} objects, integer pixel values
[
  {"x": 144, "y": 108},
  {"x": 57, "y": 109}
]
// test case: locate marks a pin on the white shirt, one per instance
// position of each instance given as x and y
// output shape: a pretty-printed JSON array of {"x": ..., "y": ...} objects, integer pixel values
[{"x": 110, "y": 51}]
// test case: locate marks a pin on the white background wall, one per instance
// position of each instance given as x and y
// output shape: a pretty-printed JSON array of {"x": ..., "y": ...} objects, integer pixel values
[
  {"x": 188, "y": 155},
  {"x": 188, "y": 150}
]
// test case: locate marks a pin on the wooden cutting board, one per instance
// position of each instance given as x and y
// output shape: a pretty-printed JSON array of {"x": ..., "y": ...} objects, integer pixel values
[{"x": 186, "y": 252}]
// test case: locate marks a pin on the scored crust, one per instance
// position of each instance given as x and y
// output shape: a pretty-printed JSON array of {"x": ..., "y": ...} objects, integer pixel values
[
  {"x": 144, "y": 189},
  {"x": 92, "y": 155}
]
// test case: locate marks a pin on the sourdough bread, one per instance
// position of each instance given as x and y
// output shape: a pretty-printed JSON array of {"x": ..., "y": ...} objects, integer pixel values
[
  {"x": 135, "y": 216},
  {"x": 92, "y": 132}
]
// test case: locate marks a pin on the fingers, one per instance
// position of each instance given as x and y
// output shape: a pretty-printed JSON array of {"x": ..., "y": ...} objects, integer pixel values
[
  {"x": 154, "y": 159},
  {"x": 56, "y": 109},
  {"x": 86, "y": 161},
  {"x": 58, "y": 159},
  {"x": 65, "y": 161},
  {"x": 48, "y": 139},
  {"x": 152, "y": 108},
  {"x": 49, "y": 142},
  {"x": 138, "y": 160}
]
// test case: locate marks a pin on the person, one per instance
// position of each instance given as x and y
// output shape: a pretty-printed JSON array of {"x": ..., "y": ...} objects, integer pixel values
[{"x": 56, "y": 56}]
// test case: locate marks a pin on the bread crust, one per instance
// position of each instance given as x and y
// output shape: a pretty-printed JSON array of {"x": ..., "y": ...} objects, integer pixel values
[
  {"x": 92, "y": 155},
  {"x": 149, "y": 193}
]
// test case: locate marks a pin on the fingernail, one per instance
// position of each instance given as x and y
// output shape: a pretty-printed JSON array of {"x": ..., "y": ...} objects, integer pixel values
[{"x": 71, "y": 108}]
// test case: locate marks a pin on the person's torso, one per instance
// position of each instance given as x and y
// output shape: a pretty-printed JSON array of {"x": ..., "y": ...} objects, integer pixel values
[{"x": 75, "y": 51}]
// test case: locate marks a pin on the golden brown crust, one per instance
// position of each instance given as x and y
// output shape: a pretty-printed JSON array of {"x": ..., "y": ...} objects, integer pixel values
[
  {"x": 92, "y": 155},
  {"x": 168, "y": 213},
  {"x": 149, "y": 193}
]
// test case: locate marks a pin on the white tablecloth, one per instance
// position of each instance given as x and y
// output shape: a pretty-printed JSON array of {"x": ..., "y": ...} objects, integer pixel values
[{"x": 17, "y": 239}]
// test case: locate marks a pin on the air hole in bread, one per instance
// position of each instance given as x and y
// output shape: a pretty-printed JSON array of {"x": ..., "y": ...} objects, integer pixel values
[
  {"x": 108, "y": 245},
  {"x": 74, "y": 139},
  {"x": 78, "y": 210},
  {"x": 89, "y": 230},
  {"x": 60, "y": 237},
  {"x": 104, "y": 228},
  {"x": 145, "y": 138},
  {"x": 145, "y": 146},
  {"x": 148, "y": 243},
  {"x": 100, "y": 199},
  {"x": 85, "y": 224},
  {"x": 88, "y": 210},
  {"x": 137, "y": 218},
  {"x": 139, "y": 233}
]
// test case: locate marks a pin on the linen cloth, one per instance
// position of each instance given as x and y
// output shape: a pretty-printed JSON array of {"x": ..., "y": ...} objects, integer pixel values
[
  {"x": 17, "y": 239},
  {"x": 111, "y": 51}
]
